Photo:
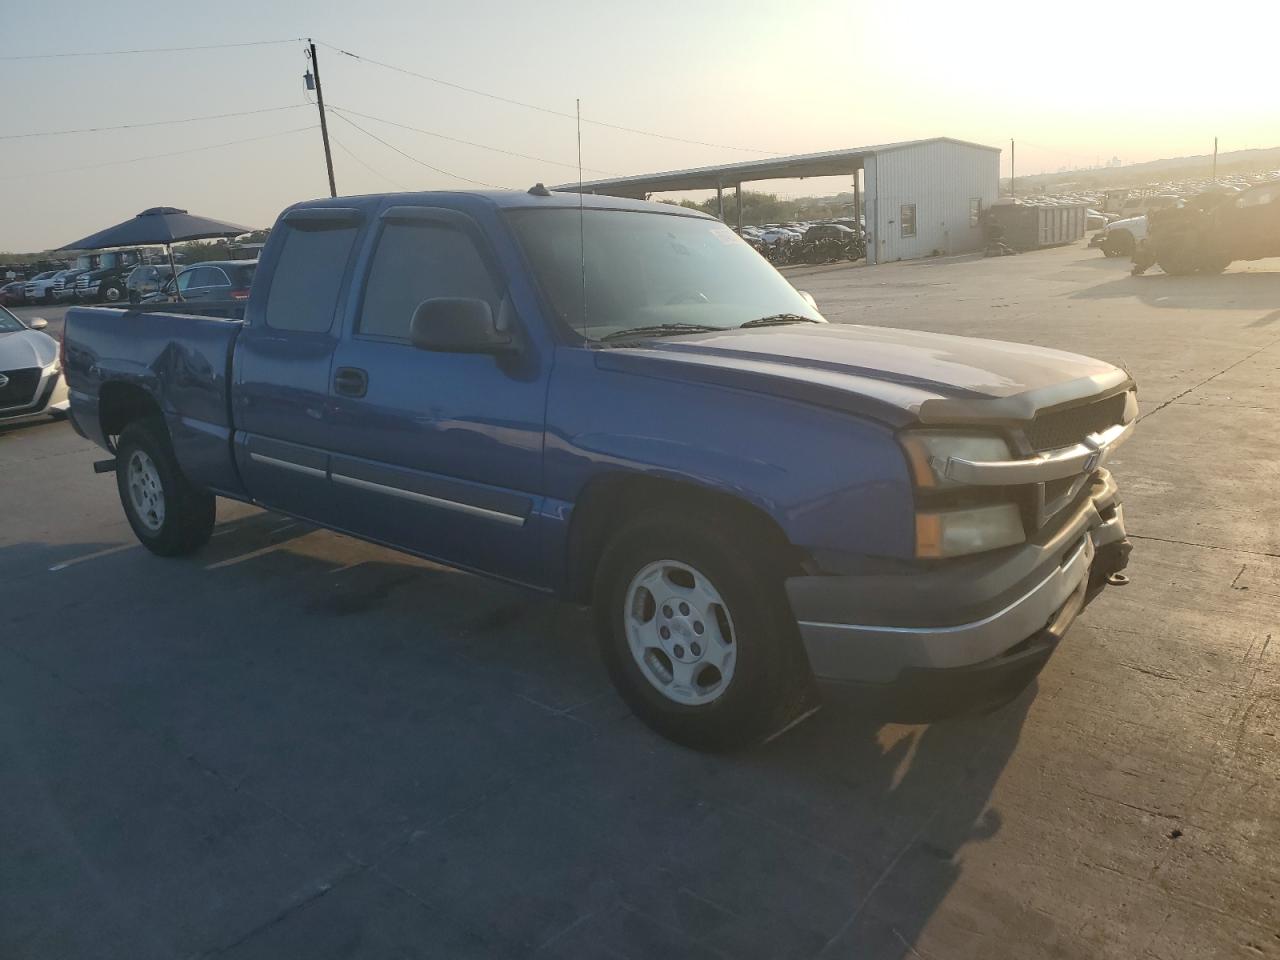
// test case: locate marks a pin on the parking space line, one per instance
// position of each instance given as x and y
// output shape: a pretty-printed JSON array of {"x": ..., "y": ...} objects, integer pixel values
[
  {"x": 91, "y": 556},
  {"x": 232, "y": 561}
]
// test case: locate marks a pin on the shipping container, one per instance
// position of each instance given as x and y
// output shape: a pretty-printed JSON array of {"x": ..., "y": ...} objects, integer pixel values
[{"x": 1031, "y": 225}]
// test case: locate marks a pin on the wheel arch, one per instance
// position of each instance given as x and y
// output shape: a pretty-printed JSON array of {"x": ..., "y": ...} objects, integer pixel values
[
  {"x": 608, "y": 502},
  {"x": 121, "y": 403}
]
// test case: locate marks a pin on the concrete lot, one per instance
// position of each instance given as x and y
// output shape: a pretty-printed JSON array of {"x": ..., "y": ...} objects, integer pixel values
[{"x": 295, "y": 745}]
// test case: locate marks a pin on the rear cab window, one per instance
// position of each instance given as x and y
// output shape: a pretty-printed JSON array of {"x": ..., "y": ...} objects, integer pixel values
[{"x": 309, "y": 271}]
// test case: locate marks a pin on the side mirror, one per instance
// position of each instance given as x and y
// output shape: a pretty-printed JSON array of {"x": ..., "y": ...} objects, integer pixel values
[
  {"x": 458, "y": 325},
  {"x": 38, "y": 323},
  {"x": 807, "y": 297}
]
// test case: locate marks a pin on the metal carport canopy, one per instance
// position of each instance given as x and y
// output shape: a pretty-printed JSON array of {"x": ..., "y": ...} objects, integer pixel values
[{"x": 830, "y": 163}]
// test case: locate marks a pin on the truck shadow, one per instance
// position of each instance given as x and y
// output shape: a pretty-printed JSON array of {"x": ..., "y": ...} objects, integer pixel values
[
  {"x": 1238, "y": 290},
  {"x": 456, "y": 733}
]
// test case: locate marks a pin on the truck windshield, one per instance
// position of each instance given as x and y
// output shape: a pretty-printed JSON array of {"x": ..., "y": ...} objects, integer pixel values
[{"x": 650, "y": 270}]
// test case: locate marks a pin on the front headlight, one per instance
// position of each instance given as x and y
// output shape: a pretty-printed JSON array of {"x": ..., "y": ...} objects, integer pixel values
[
  {"x": 964, "y": 530},
  {"x": 929, "y": 450}
]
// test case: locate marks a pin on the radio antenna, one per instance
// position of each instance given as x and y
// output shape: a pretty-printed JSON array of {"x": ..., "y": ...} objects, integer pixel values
[{"x": 582, "y": 230}]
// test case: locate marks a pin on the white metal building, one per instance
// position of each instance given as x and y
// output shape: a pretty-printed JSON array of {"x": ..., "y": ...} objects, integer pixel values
[{"x": 921, "y": 196}]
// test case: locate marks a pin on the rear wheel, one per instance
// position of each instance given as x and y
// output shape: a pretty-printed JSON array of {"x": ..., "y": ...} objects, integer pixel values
[
  {"x": 695, "y": 630},
  {"x": 167, "y": 514}
]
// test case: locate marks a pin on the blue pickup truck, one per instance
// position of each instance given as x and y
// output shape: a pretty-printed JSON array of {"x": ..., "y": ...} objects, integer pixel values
[{"x": 623, "y": 404}]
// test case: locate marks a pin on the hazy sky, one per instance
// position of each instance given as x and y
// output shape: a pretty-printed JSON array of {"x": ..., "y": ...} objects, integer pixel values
[{"x": 1074, "y": 83}]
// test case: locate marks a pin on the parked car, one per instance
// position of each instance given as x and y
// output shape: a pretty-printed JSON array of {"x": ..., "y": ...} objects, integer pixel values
[
  {"x": 13, "y": 294},
  {"x": 1095, "y": 220},
  {"x": 214, "y": 280},
  {"x": 40, "y": 288},
  {"x": 1214, "y": 229},
  {"x": 829, "y": 231},
  {"x": 1121, "y": 237},
  {"x": 31, "y": 380},
  {"x": 147, "y": 279},
  {"x": 750, "y": 497}
]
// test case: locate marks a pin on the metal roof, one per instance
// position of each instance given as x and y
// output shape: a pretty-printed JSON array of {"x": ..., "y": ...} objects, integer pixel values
[{"x": 829, "y": 163}]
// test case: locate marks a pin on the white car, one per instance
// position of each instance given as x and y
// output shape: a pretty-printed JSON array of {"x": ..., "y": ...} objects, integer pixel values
[
  {"x": 779, "y": 235},
  {"x": 39, "y": 289},
  {"x": 1121, "y": 237},
  {"x": 31, "y": 380}
]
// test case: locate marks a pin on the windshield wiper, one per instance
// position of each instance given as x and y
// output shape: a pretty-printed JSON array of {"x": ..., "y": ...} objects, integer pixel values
[
  {"x": 777, "y": 319},
  {"x": 659, "y": 330}
]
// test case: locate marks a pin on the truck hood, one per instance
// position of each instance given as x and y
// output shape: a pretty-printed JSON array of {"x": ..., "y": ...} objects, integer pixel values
[{"x": 899, "y": 376}]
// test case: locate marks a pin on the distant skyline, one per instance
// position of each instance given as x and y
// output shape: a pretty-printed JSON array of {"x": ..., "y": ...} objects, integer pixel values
[{"x": 1075, "y": 85}]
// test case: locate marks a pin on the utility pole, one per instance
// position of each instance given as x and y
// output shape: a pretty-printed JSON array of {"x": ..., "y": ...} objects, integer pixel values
[
  {"x": 324, "y": 126},
  {"x": 1215, "y": 159},
  {"x": 1013, "y": 156}
]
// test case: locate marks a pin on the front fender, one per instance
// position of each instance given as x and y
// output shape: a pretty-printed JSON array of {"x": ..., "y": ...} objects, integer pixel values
[{"x": 830, "y": 480}]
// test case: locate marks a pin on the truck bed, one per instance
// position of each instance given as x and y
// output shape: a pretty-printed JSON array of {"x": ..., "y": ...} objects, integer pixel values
[{"x": 178, "y": 361}]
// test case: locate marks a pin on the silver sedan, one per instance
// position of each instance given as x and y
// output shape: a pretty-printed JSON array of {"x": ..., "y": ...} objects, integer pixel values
[{"x": 31, "y": 380}]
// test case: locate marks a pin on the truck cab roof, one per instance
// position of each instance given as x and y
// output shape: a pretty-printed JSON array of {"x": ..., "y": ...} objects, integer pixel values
[{"x": 503, "y": 199}]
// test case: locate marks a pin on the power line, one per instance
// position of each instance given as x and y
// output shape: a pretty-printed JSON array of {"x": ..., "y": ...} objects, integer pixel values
[
  {"x": 149, "y": 123},
  {"x": 118, "y": 53},
  {"x": 378, "y": 173},
  {"x": 540, "y": 109},
  {"x": 157, "y": 156},
  {"x": 407, "y": 156},
  {"x": 469, "y": 143}
]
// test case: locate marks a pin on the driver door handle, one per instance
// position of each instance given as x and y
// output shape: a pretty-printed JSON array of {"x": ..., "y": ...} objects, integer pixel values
[{"x": 350, "y": 382}]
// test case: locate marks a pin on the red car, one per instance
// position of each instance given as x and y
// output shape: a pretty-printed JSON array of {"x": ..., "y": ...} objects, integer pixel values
[{"x": 13, "y": 294}]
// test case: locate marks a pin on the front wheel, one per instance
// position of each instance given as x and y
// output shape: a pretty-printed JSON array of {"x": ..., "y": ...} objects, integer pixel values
[
  {"x": 168, "y": 515},
  {"x": 112, "y": 294},
  {"x": 1119, "y": 243},
  {"x": 696, "y": 632}
]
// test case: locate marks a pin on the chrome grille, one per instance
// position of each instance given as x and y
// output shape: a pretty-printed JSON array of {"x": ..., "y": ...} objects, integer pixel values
[
  {"x": 1062, "y": 428},
  {"x": 21, "y": 388}
]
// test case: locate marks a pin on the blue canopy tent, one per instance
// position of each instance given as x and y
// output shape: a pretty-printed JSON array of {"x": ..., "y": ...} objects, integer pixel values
[{"x": 158, "y": 225}]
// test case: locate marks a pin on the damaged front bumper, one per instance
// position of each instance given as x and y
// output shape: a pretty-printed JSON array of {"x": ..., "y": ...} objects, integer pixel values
[{"x": 962, "y": 635}]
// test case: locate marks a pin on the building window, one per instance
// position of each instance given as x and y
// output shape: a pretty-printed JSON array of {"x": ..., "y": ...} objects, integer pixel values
[
  {"x": 908, "y": 219},
  {"x": 975, "y": 211}
]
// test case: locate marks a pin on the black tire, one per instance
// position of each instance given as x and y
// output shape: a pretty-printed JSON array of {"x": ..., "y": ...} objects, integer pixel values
[
  {"x": 769, "y": 666},
  {"x": 112, "y": 294},
  {"x": 188, "y": 513},
  {"x": 1119, "y": 243},
  {"x": 1176, "y": 265}
]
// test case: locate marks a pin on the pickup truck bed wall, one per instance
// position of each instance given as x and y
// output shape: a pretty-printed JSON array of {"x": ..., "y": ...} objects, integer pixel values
[{"x": 181, "y": 361}]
